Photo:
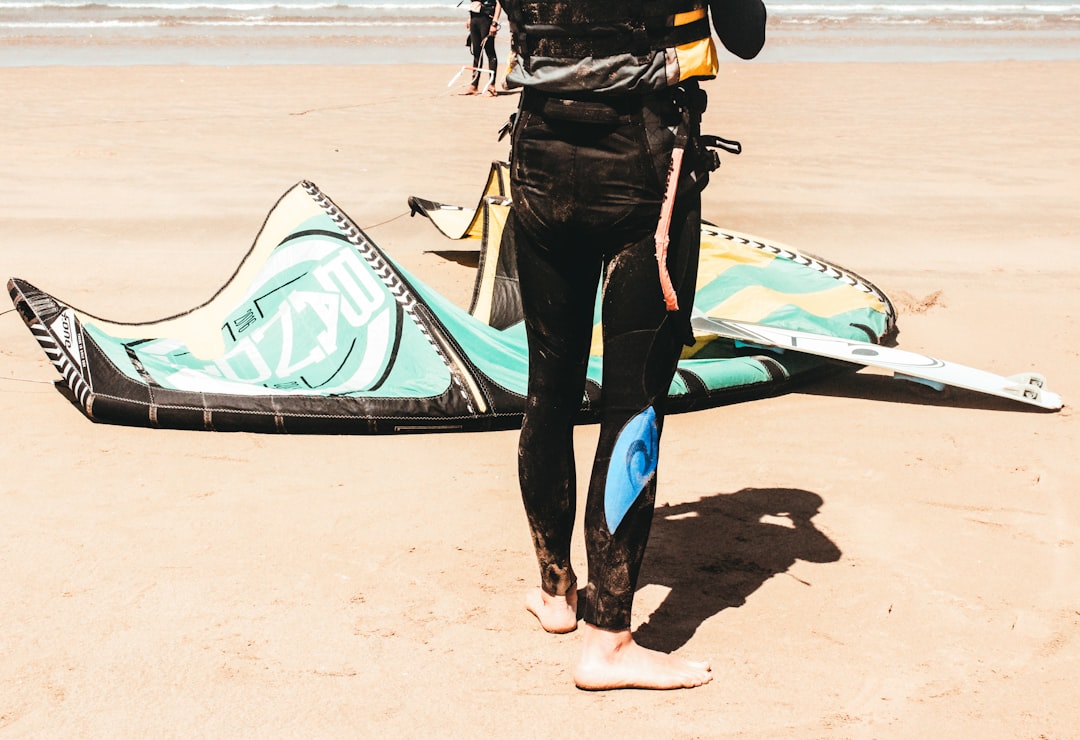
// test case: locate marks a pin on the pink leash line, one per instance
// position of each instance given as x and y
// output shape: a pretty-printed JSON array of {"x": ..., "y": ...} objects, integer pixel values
[{"x": 663, "y": 229}]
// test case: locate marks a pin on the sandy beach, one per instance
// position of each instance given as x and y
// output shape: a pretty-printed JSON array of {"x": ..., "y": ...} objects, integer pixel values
[{"x": 863, "y": 558}]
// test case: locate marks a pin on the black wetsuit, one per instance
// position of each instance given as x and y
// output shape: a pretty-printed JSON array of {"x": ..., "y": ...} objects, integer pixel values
[
  {"x": 482, "y": 40},
  {"x": 588, "y": 176},
  {"x": 586, "y": 205}
]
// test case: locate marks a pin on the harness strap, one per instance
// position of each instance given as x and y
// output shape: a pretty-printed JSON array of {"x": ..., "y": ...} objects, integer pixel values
[
  {"x": 579, "y": 41},
  {"x": 579, "y": 29},
  {"x": 663, "y": 229}
]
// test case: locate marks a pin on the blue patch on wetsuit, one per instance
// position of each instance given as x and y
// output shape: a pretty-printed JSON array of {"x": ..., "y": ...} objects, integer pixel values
[{"x": 633, "y": 464}]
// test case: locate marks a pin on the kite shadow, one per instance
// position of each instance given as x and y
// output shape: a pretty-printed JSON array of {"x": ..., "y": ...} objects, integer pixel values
[{"x": 715, "y": 552}]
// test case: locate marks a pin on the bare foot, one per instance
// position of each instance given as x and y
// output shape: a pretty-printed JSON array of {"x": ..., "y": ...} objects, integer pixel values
[
  {"x": 557, "y": 614},
  {"x": 612, "y": 660}
]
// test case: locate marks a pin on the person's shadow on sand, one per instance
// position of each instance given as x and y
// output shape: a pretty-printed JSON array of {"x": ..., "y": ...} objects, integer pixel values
[{"x": 715, "y": 552}]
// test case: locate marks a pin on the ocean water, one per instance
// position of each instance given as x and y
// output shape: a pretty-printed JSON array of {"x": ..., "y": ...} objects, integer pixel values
[{"x": 231, "y": 32}]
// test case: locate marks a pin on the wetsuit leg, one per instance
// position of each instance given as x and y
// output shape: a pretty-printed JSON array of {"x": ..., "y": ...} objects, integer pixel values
[
  {"x": 585, "y": 194},
  {"x": 557, "y": 295},
  {"x": 642, "y": 343},
  {"x": 492, "y": 57}
]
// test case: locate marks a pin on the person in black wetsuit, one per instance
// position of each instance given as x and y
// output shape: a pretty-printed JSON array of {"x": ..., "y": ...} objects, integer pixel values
[
  {"x": 483, "y": 26},
  {"x": 607, "y": 165}
]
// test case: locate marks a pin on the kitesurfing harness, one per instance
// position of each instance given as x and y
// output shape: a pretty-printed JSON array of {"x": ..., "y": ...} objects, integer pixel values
[
  {"x": 691, "y": 101},
  {"x": 582, "y": 29}
]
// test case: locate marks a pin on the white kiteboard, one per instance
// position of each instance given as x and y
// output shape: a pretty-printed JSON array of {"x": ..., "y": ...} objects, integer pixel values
[
  {"x": 488, "y": 81},
  {"x": 1027, "y": 388}
]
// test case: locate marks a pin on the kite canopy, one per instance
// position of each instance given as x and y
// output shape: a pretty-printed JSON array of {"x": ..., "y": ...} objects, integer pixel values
[{"x": 320, "y": 331}]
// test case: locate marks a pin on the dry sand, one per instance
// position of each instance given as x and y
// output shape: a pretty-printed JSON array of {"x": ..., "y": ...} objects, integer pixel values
[{"x": 864, "y": 558}]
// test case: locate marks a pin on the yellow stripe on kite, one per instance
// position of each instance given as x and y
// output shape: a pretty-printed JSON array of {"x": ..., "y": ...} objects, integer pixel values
[
  {"x": 755, "y": 302},
  {"x": 720, "y": 255}
]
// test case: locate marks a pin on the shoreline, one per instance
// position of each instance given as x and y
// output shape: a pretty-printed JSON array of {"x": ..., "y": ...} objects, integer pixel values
[{"x": 441, "y": 46}]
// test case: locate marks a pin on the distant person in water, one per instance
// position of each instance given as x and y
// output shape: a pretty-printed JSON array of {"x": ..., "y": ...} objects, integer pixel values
[
  {"x": 607, "y": 165},
  {"x": 483, "y": 26}
]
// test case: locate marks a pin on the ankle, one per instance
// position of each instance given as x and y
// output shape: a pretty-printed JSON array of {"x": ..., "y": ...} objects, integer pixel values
[{"x": 597, "y": 642}]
